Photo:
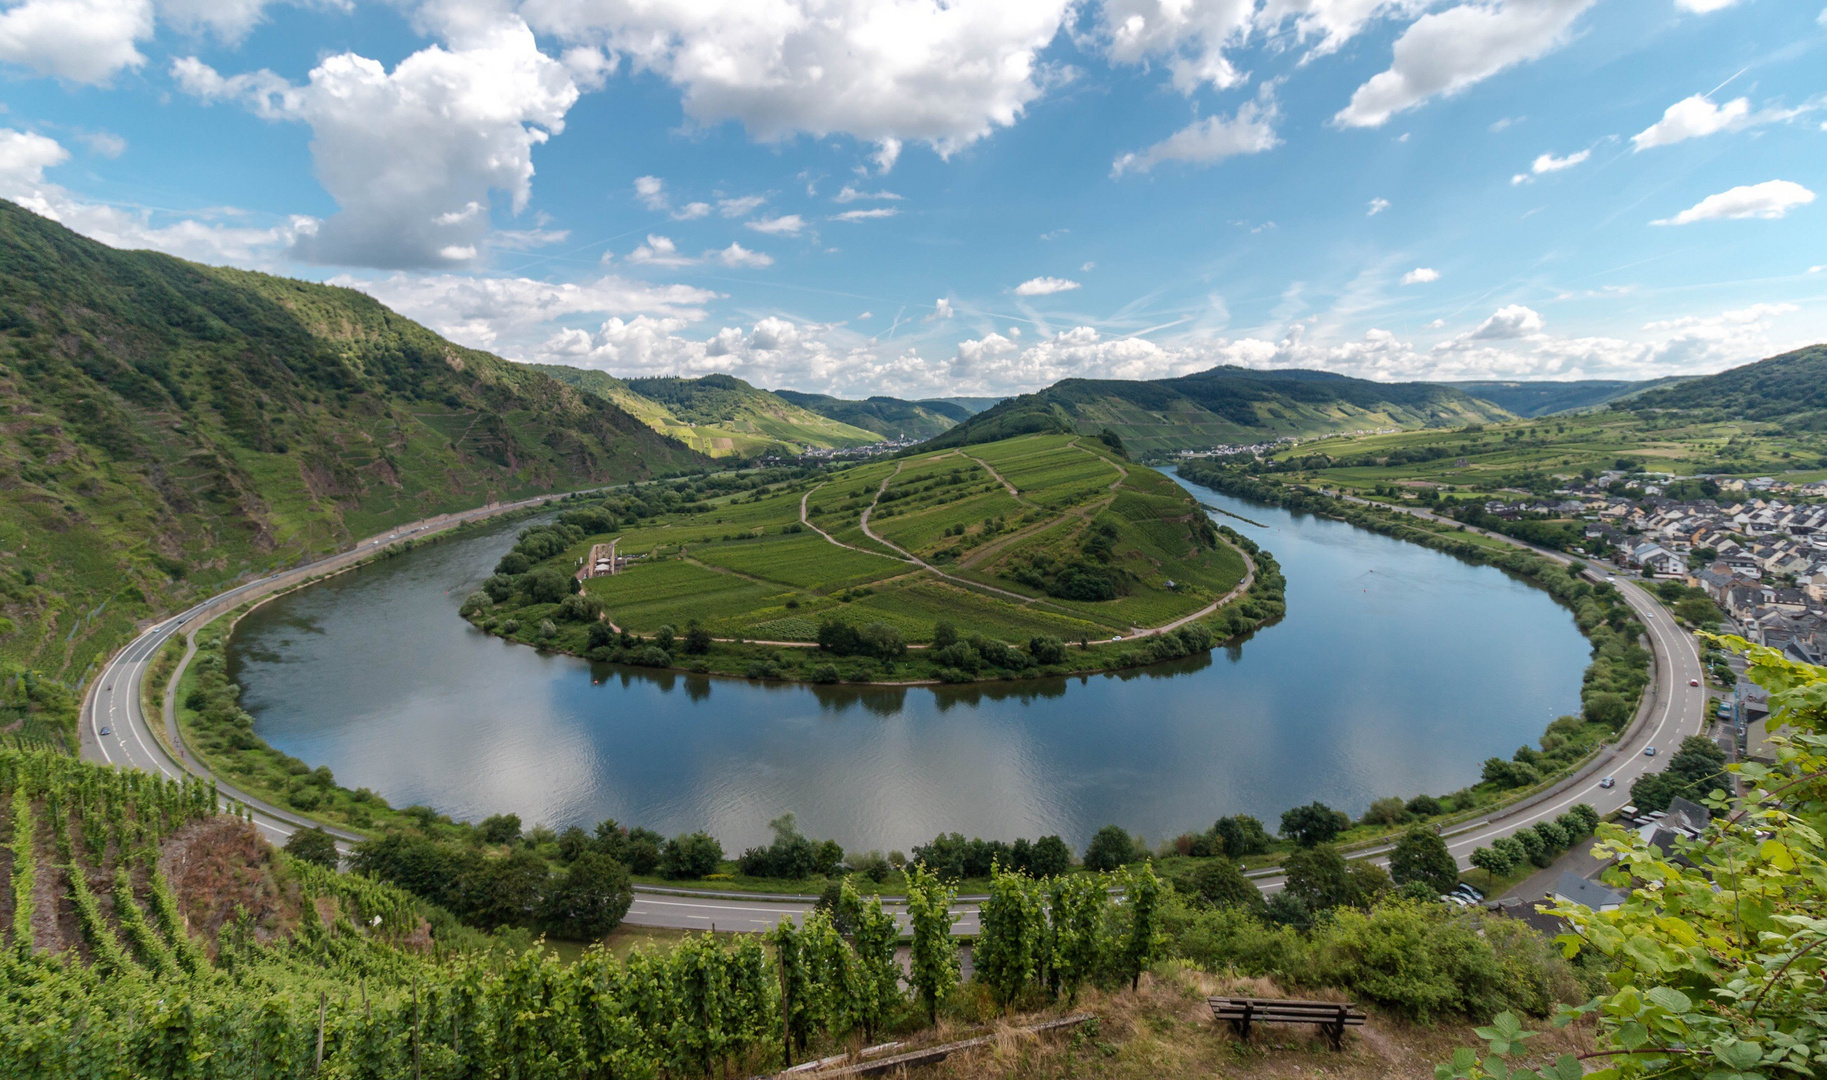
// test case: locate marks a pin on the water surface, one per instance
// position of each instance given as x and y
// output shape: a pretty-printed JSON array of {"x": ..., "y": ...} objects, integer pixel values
[{"x": 1397, "y": 670}]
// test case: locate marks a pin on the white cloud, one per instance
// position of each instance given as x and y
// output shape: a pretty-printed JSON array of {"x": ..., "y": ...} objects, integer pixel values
[
  {"x": 692, "y": 211},
  {"x": 738, "y": 256},
  {"x": 1697, "y": 117},
  {"x": 740, "y": 207},
  {"x": 942, "y": 309},
  {"x": 651, "y": 190},
  {"x": 511, "y": 315},
  {"x": 866, "y": 215},
  {"x": 1333, "y": 22},
  {"x": 1045, "y": 286},
  {"x": 1703, "y": 7},
  {"x": 24, "y": 156},
  {"x": 1420, "y": 275},
  {"x": 1548, "y": 163},
  {"x": 103, "y": 143},
  {"x": 788, "y": 224},
  {"x": 228, "y": 20},
  {"x": 659, "y": 251},
  {"x": 1507, "y": 322},
  {"x": 400, "y": 150},
  {"x": 850, "y": 194},
  {"x": 1250, "y": 131},
  {"x": 1769, "y": 200},
  {"x": 1447, "y": 51},
  {"x": 947, "y": 74},
  {"x": 1192, "y": 36},
  {"x": 1377, "y": 206},
  {"x": 84, "y": 41}
]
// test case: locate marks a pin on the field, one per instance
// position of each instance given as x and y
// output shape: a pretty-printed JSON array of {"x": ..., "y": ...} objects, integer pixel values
[
  {"x": 735, "y": 564},
  {"x": 1040, "y": 555}
]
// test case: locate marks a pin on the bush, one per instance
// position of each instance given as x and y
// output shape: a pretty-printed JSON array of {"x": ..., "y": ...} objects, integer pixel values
[
  {"x": 690, "y": 856},
  {"x": 697, "y": 640},
  {"x": 500, "y": 829},
  {"x": 1046, "y": 650},
  {"x": 1050, "y": 857},
  {"x": 825, "y": 673},
  {"x": 1387, "y": 811},
  {"x": 580, "y": 608},
  {"x": 589, "y": 899},
  {"x": 313, "y": 846},
  {"x": 476, "y": 603},
  {"x": 1241, "y": 835},
  {"x": 1421, "y": 856},
  {"x": 1220, "y": 883},
  {"x": 1424, "y": 806}
]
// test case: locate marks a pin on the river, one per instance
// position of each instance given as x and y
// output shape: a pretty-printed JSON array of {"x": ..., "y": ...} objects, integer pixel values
[{"x": 1397, "y": 670}]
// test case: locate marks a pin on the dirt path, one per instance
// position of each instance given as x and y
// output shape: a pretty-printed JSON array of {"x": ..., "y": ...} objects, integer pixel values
[
  {"x": 915, "y": 559},
  {"x": 807, "y": 522},
  {"x": 1013, "y": 491}
]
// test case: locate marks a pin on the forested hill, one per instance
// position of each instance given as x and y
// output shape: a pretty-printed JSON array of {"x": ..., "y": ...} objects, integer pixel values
[
  {"x": 166, "y": 427},
  {"x": 1532, "y": 399},
  {"x": 886, "y": 416},
  {"x": 1791, "y": 385},
  {"x": 1226, "y": 405}
]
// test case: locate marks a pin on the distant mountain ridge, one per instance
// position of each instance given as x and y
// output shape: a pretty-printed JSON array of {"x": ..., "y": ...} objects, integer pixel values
[
  {"x": 889, "y": 417},
  {"x": 1532, "y": 399},
  {"x": 170, "y": 426},
  {"x": 1225, "y": 405}
]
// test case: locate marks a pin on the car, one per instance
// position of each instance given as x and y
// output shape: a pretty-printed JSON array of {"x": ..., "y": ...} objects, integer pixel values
[
  {"x": 1450, "y": 898},
  {"x": 1649, "y": 751},
  {"x": 1469, "y": 891},
  {"x": 1609, "y": 782},
  {"x": 107, "y": 731},
  {"x": 1693, "y": 682}
]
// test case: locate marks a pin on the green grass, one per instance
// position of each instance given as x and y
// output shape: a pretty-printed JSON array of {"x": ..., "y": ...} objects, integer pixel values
[
  {"x": 673, "y": 592},
  {"x": 804, "y": 560}
]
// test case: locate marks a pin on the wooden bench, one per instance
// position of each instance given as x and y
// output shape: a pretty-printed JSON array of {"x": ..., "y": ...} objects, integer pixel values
[{"x": 1331, "y": 1016}]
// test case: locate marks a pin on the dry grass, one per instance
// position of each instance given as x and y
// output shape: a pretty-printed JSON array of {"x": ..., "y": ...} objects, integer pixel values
[
  {"x": 220, "y": 867},
  {"x": 1166, "y": 1030}
]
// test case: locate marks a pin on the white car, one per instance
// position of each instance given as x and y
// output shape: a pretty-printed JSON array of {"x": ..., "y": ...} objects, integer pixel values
[
  {"x": 1649, "y": 751},
  {"x": 1609, "y": 782}
]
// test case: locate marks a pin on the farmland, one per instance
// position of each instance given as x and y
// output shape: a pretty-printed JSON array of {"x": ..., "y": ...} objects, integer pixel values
[{"x": 1040, "y": 554}]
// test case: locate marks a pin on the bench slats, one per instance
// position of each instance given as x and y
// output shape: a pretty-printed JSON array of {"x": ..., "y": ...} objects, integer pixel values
[{"x": 1333, "y": 1016}]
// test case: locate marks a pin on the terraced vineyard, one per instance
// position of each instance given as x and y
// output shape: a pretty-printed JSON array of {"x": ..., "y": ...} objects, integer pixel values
[{"x": 1031, "y": 544}]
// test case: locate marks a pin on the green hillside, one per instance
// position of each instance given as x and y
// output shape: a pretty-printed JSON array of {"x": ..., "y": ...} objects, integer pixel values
[
  {"x": 719, "y": 415},
  {"x": 1533, "y": 399},
  {"x": 1226, "y": 405},
  {"x": 1791, "y": 385},
  {"x": 886, "y": 416},
  {"x": 170, "y": 426}
]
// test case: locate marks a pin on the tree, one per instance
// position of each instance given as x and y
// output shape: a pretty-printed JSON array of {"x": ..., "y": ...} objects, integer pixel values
[
  {"x": 1421, "y": 855},
  {"x": 1323, "y": 879},
  {"x": 1221, "y": 884},
  {"x": 690, "y": 856},
  {"x": 1386, "y": 811},
  {"x": 1109, "y": 849},
  {"x": 1509, "y": 774},
  {"x": 944, "y": 634},
  {"x": 589, "y": 899},
  {"x": 547, "y": 585},
  {"x": 1695, "y": 770},
  {"x": 1046, "y": 650},
  {"x": 697, "y": 640},
  {"x": 1315, "y": 823},
  {"x": 1242, "y": 835},
  {"x": 933, "y": 959},
  {"x": 500, "y": 829},
  {"x": 1493, "y": 861},
  {"x": 1746, "y": 1000},
  {"x": 1050, "y": 857},
  {"x": 1424, "y": 806},
  {"x": 503, "y": 890},
  {"x": 313, "y": 846}
]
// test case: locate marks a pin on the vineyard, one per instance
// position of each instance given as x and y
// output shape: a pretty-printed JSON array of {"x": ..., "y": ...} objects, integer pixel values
[{"x": 111, "y": 972}]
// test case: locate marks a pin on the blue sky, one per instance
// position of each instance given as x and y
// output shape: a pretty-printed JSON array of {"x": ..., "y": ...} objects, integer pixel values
[{"x": 977, "y": 197}]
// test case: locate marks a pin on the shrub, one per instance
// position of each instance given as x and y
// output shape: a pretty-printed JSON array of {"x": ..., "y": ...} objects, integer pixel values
[
  {"x": 1315, "y": 823},
  {"x": 1241, "y": 835},
  {"x": 690, "y": 856},
  {"x": 1219, "y": 882},
  {"x": 1424, "y": 806},
  {"x": 499, "y": 829},
  {"x": 1387, "y": 811},
  {"x": 313, "y": 846},
  {"x": 1110, "y": 849},
  {"x": 825, "y": 673}
]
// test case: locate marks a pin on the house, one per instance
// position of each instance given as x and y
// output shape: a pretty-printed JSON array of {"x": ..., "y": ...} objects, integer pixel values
[
  {"x": 1574, "y": 889},
  {"x": 1657, "y": 559}
]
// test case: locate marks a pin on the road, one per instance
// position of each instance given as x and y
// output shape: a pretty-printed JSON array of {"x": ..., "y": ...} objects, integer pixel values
[{"x": 1672, "y": 709}]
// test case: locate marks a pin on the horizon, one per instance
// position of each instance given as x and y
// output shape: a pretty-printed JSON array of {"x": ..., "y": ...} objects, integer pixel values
[{"x": 897, "y": 198}]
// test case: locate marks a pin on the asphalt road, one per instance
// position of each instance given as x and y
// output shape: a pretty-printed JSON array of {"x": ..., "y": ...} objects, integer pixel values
[{"x": 1672, "y": 710}]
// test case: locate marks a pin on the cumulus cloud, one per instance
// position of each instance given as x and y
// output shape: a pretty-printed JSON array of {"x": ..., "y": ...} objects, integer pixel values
[
  {"x": 1548, "y": 163},
  {"x": 1769, "y": 200},
  {"x": 1420, "y": 275},
  {"x": 511, "y": 314},
  {"x": 228, "y": 20},
  {"x": 659, "y": 251},
  {"x": 1697, "y": 116},
  {"x": 1703, "y": 7},
  {"x": 1250, "y": 131},
  {"x": 738, "y": 256},
  {"x": 945, "y": 74},
  {"x": 1377, "y": 206},
  {"x": 942, "y": 309},
  {"x": 866, "y": 215},
  {"x": 83, "y": 41},
  {"x": 787, "y": 224},
  {"x": 1510, "y": 321},
  {"x": 401, "y": 151},
  {"x": 740, "y": 207},
  {"x": 1447, "y": 51},
  {"x": 1332, "y": 22},
  {"x": 651, "y": 190},
  {"x": 1045, "y": 286},
  {"x": 1191, "y": 36}
]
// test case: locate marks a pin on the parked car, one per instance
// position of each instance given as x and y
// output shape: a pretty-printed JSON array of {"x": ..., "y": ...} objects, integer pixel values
[
  {"x": 1649, "y": 751},
  {"x": 1469, "y": 891},
  {"x": 1451, "y": 898},
  {"x": 1609, "y": 782}
]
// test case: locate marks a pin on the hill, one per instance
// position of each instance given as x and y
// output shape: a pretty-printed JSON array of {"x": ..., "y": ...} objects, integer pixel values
[
  {"x": 1226, "y": 405},
  {"x": 889, "y": 417},
  {"x": 719, "y": 415},
  {"x": 1533, "y": 399},
  {"x": 169, "y": 427},
  {"x": 1793, "y": 385},
  {"x": 1005, "y": 550}
]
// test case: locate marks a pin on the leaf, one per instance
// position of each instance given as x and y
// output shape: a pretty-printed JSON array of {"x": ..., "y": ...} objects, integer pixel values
[
  {"x": 1669, "y": 998},
  {"x": 1738, "y": 1054},
  {"x": 1565, "y": 1067},
  {"x": 1632, "y": 1035},
  {"x": 1777, "y": 854}
]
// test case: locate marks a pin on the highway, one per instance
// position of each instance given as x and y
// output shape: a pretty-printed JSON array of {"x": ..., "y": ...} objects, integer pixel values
[{"x": 1671, "y": 709}]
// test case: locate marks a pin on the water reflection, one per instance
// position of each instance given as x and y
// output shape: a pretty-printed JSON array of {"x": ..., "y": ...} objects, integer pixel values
[{"x": 1396, "y": 670}]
